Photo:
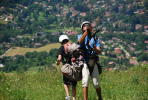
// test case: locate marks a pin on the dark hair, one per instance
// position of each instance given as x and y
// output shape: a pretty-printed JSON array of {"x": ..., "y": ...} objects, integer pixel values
[
  {"x": 64, "y": 41},
  {"x": 89, "y": 25},
  {"x": 86, "y": 24}
]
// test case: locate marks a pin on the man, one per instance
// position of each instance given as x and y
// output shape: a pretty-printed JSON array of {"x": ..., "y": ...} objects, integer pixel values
[
  {"x": 91, "y": 47},
  {"x": 65, "y": 58}
]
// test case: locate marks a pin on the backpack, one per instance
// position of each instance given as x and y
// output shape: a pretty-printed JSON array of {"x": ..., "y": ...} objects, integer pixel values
[{"x": 73, "y": 71}]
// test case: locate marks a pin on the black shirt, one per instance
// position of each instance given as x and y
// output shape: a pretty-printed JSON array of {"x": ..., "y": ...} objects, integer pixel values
[{"x": 66, "y": 57}]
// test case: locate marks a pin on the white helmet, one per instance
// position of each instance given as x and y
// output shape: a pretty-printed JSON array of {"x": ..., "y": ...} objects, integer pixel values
[
  {"x": 85, "y": 22},
  {"x": 63, "y": 37}
]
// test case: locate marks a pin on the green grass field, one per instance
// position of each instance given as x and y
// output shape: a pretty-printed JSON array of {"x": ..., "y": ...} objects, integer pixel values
[
  {"x": 21, "y": 51},
  {"x": 47, "y": 85}
]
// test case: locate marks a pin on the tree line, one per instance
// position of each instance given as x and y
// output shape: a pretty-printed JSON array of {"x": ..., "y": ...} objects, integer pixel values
[{"x": 29, "y": 60}]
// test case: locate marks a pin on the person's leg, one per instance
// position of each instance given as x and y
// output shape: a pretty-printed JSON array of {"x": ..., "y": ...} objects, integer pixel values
[
  {"x": 98, "y": 90},
  {"x": 85, "y": 93},
  {"x": 85, "y": 79},
  {"x": 73, "y": 93},
  {"x": 74, "y": 84},
  {"x": 66, "y": 87},
  {"x": 95, "y": 79}
]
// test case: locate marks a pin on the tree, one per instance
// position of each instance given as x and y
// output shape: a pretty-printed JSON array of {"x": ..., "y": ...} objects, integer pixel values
[{"x": 146, "y": 4}]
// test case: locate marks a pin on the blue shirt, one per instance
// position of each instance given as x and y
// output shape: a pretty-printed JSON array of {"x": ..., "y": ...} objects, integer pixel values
[{"x": 88, "y": 44}]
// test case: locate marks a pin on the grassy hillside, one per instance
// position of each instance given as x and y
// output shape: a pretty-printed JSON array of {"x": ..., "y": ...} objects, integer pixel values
[
  {"x": 22, "y": 51},
  {"x": 47, "y": 85}
]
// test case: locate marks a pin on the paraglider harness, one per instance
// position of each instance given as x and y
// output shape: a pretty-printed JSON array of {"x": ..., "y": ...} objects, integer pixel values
[{"x": 90, "y": 54}]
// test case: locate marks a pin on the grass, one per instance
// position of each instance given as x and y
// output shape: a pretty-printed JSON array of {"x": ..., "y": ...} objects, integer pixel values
[
  {"x": 47, "y": 85},
  {"x": 2, "y": 21},
  {"x": 21, "y": 51}
]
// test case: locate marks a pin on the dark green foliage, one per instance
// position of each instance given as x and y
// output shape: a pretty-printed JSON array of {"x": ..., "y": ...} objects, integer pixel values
[
  {"x": 143, "y": 57},
  {"x": 146, "y": 4},
  {"x": 22, "y": 63},
  {"x": 82, "y": 8},
  {"x": 38, "y": 17}
]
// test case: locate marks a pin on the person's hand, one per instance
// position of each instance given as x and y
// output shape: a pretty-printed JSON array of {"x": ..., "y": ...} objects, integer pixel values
[
  {"x": 73, "y": 59},
  {"x": 97, "y": 49},
  {"x": 58, "y": 62},
  {"x": 59, "y": 59},
  {"x": 87, "y": 28}
]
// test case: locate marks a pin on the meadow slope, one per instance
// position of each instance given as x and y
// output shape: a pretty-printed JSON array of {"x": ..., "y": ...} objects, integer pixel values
[
  {"x": 21, "y": 50},
  {"x": 47, "y": 85}
]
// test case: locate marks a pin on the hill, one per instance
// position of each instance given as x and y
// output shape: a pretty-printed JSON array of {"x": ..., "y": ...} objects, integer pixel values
[
  {"x": 44, "y": 16},
  {"x": 21, "y": 51},
  {"x": 35, "y": 23},
  {"x": 46, "y": 84}
]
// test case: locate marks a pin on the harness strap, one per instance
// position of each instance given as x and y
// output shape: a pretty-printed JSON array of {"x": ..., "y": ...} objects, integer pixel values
[{"x": 90, "y": 49}]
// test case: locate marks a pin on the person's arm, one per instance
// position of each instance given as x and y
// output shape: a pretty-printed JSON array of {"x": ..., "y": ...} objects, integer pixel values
[
  {"x": 86, "y": 31},
  {"x": 59, "y": 59},
  {"x": 97, "y": 47},
  {"x": 59, "y": 55},
  {"x": 82, "y": 37}
]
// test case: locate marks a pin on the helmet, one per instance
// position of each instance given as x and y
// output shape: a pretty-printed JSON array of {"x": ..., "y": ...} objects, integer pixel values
[
  {"x": 85, "y": 22},
  {"x": 63, "y": 37}
]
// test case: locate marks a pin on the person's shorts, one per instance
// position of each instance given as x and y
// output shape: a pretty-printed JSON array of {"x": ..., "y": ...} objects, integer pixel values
[
  {"x": 86, "y": 74},
  {"x": 67, "y": 81}
]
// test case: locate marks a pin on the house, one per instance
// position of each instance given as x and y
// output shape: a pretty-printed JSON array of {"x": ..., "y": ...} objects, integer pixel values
[
  {"x": 138, "y": 26},
  {"x": 55, "y": 33},
  {"x": 1, "y": 65},
  {"x": 94, "y": 24},
  {"x": 49, "y": 8},
  {"x": 109, "y": 69},
  {"x": 37, "y": 45},
  {"x": 107, "y": 14},
  {"x": 111, "y": 63},
  {"x": 12, "y": 39},
  {"x": 70, "y": 32},
  {"x": 75, "y": 13},
  {"x": 2, "y": 8},
  {"x": 117, "y": 50},
  {"x": 7, "y": 46},
  {"x": 40, "y": 34},
  {"x": 65, "y": 12},
  {"x": 133, "y": 61},
  {"x": 131, "y": 48},
  {"x": 83, "y": 14},
  {"x": 9, "y": 18},
  {"x": 141, "y": 12},
  {"x": 144, "y": 62},
  {"x": 45, "y": 41},
  {"x": 116, "y": 39},
  {"x": 146, "y": 28},
  {"x": 19, "y": 36},
  {"x": 133, "y": 43},
  {"x": 146, "y": 42}
]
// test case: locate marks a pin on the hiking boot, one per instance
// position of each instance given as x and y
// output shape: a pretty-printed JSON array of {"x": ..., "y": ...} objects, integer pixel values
[{"x": 67, "y": 98}]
